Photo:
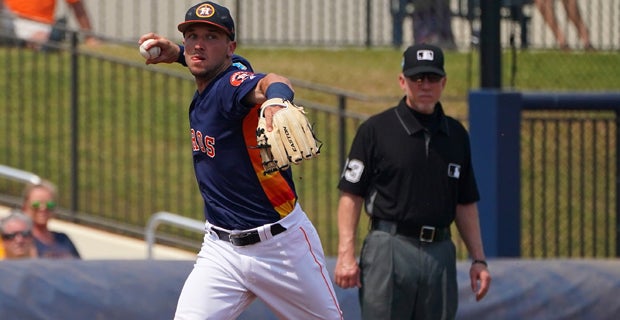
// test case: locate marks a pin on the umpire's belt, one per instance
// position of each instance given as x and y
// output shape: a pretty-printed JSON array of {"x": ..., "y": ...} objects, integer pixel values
[
  {"x": 246, "y": 238},
  {"x": 422, "y": 233}
]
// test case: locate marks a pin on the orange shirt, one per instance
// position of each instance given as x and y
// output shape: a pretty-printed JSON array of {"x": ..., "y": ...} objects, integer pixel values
[
  {"x": 1, "y": 250},
  {"x": 38, "y": 10}
]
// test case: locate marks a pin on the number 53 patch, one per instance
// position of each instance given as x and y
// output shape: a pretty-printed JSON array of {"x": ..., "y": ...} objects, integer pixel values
[{"x": 353, "y": 170}]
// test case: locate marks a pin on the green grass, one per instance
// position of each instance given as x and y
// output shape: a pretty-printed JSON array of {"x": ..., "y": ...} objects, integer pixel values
[
  {"x": 133, "y": 159},
  {"x": 374, "y": 72}
]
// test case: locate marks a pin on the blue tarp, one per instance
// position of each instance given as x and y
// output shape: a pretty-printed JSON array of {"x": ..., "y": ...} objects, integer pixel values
[{"x": 141, "y": 289}]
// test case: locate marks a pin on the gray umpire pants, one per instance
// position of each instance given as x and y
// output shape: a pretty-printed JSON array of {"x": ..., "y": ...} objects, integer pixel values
[{"x": 403, "y": 278}]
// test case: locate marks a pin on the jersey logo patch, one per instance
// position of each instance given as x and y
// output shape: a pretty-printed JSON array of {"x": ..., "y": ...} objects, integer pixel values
[
  {"x": 425, "y": 55},
  {"x": 237, "y": 78},
  {"x": 454, "y": 170}
]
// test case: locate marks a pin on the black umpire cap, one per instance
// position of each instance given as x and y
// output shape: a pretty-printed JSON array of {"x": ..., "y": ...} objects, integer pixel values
[
  {"x": 423, "y": 58},
  {"x": 210, "y": 13}
]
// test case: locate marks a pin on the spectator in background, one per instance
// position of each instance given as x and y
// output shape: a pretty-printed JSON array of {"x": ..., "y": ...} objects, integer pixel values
[
  {"x": 547, "y": 9},
  {"x": 398, "y": 10},
  {"x": 432, "y": 23},
  {"x": 32, "y": 21},
  {"x": 16, "y": 232},
  {"x": 39, "y": 203}
]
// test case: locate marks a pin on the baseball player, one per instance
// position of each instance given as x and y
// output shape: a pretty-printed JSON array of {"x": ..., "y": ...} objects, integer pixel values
[{"x": 258, "y": 241}]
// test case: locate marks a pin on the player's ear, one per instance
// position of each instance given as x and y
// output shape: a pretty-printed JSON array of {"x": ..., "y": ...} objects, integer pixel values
[{"x": 232, "y": 45}]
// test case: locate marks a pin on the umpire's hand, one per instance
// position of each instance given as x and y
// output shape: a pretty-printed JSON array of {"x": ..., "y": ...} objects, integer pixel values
[
  {"x": 480, "y": 280},
  {"x": 347, "y": 272}
]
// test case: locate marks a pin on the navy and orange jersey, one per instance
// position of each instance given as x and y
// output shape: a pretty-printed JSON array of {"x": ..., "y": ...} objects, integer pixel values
[{"x": 237, "y": 195}]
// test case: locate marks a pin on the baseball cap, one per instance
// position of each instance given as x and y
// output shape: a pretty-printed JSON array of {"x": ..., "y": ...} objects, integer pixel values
[
  {"x": 423, "y": 58},
  {"x": 210, "y": 13}
]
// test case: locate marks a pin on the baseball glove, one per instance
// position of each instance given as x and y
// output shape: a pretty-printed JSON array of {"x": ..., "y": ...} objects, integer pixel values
[{"x": 291, "y": 140}]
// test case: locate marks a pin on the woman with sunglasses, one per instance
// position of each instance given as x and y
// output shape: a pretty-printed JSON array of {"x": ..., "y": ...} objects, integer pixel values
[
  {"x": 16, "y": 234},
  {"x": 39, "y": 204}
]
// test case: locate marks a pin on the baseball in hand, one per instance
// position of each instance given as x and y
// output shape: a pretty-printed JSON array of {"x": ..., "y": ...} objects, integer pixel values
[{"x": 153, "y": 52}]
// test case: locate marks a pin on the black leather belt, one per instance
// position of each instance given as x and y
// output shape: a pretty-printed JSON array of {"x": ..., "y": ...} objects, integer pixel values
[
  {"x": 422, "y": 233},
  {"x": 246, "y": 238}
]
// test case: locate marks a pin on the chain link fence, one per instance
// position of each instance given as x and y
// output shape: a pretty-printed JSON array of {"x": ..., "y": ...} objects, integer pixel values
[{"x": 79, "y": 118}]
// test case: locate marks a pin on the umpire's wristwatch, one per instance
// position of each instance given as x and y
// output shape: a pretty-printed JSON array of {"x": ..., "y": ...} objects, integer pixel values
[{"x": 484, "y": 262}]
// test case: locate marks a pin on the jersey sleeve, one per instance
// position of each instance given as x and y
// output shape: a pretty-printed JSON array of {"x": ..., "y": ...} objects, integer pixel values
[
  {"x": 359, "y": 164},
  {"x": 235, "y": 86}
]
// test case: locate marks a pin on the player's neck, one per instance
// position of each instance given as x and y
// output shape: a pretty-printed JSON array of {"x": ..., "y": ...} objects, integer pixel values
[{"x": 205, "y": 78}]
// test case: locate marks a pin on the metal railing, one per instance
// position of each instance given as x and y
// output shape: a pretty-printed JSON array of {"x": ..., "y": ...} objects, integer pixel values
[
  {"x": 19, "y": 175},
  {"x": 548, "y": 164},
  {"x": 573, "y": 207},
  {"x": 109, "y": 133},
  {"x": 168, "y": 218}
]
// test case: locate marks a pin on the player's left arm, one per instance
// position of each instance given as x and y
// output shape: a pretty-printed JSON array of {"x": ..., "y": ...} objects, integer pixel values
[
  {"x": 468, "y": 224},
  {"x": 270, "y": 86},
  {"x": 283, "y": 133}
]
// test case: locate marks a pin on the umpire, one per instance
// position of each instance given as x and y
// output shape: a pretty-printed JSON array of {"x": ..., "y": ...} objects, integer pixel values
[{"x": 411, "y": 167}]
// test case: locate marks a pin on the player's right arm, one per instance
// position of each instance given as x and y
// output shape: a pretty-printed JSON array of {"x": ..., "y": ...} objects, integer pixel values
[
  {"x": 347, "y": 271},
  {"x": 169, "y": 50}
]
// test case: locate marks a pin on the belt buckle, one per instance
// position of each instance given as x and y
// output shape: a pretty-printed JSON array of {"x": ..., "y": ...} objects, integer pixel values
[
  {"x": 427, "y": 234},
  {"x": 236, "y": 238},
  {"x": 240, "y": 239}
]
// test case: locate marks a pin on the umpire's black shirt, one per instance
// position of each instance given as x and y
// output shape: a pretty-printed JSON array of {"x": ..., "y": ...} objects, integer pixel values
[{"x": 410, "y": 167}]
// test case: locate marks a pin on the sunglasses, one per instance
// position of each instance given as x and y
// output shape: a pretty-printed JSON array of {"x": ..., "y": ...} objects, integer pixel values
[
  {"x": 431, "y": 77},
  {"x": 11, "y": 236},
  {"x": 47, "y": 205}
]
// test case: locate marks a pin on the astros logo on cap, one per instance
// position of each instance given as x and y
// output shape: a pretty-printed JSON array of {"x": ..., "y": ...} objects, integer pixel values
[{"x": 204, "y": 11}]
